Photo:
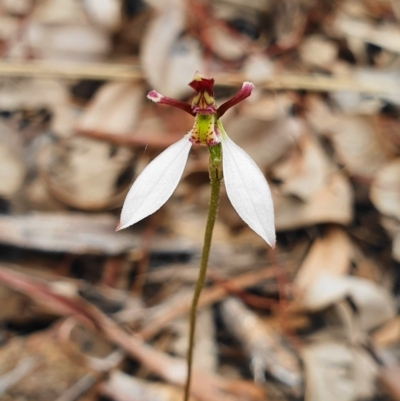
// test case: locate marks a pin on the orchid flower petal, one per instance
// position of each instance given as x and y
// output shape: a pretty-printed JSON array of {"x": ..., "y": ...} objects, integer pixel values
[
  {"x": 248, "y": 190},
  {"x": 244, "y": 92},
  {"x": 155, "y": 184},
  {"x": 161, "y": 99}
]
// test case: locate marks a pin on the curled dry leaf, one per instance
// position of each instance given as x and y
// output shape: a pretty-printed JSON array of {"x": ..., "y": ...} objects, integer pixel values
[
  {"x": 385, "y": 189},
  {"x": 114, "y": 109},
  {"x": 358, "y": 146},
  {"x": 324, "y": 258},
  {"x": 330, "y": 204},
  {"x": 265, "y": 141},
  {"x": 357, "y": 141},
  {"x": 374, "y": 304},
  {"x": 305, "y": 170},
  {"x": 85, "y": 174}
]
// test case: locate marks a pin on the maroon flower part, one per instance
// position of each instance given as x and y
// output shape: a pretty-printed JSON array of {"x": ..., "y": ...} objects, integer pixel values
[
  {"x": 204, "y": 101},
  {"x": 243, "y": 93},
  {"x": 200, "y": 83},
  {"x": 158, "y": 98}
]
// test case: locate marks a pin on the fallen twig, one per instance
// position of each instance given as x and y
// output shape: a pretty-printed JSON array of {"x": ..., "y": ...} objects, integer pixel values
[{"x": 125, "y": 72}]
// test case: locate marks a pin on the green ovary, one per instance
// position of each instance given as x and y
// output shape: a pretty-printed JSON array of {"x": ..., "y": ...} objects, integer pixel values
[{"x": 203, "y": 131}]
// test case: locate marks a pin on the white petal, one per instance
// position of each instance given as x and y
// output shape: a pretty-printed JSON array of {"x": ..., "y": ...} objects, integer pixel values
[
  {"x": 155, "y": 184},
  {"x": 248, "y": 190}
]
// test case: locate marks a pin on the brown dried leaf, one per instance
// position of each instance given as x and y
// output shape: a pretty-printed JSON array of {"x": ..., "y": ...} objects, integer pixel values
[
  {"x": 115, "y": 109},
  {"x": 374, "y": 304},
  {"x": 358, "y": 145},
  {"x": 385, "y": 189},
  {"x": 84, "y": 173},
  {"x": 331, "y": 204},
  {"x": 264, "y": 141},
  {"x": 304, "y": 171},
  {"x": 324, "y": 257}
]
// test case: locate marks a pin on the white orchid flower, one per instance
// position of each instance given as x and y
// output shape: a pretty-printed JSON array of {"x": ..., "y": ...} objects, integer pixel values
[{"x": 245, "y": 184}]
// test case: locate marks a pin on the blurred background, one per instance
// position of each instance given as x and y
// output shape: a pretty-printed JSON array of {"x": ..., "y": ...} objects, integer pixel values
[{"x": 90, "y": 314}]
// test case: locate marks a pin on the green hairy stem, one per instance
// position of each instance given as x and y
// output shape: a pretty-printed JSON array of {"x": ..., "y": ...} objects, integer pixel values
[{"x": 215, "y": 172}]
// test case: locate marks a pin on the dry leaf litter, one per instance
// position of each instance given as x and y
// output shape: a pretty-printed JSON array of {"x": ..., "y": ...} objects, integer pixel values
[{"x": 92, "y": 315}]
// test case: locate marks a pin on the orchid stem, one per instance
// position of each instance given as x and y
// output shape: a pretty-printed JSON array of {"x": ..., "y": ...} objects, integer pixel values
[{"x": 215, "y": 172}]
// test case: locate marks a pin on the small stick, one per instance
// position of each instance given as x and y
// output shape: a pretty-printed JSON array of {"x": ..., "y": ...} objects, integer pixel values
[{"x": 126, "y": 72}]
